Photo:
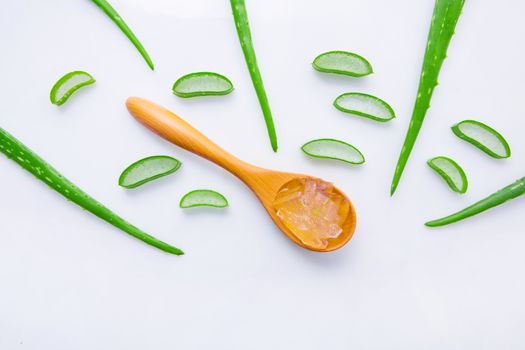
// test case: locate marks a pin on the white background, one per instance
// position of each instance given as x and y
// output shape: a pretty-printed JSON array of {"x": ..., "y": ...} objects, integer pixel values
[{"x": 71, "y": 281}]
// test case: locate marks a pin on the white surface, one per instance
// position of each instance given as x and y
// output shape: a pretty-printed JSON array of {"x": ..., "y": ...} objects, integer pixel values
[{"x": 71, "y": 281}]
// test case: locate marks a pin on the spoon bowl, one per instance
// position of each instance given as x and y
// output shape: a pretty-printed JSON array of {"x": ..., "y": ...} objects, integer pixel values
[{"x": 263, "y": 182}]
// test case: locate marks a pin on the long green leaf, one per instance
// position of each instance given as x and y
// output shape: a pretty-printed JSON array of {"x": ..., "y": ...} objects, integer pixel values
[
  {"x": 444, "y": 19},
  {"x": 27, "y": 159},
  {"x": 115, "y": 17},
  {"x": 240, "y": 17},
  {"x": 505, "y": 194}
]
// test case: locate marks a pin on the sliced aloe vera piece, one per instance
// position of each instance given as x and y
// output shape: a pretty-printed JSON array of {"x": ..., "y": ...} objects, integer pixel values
[
  {"x": 451, "y": 172},
  {"x": 67, "y": 85},
  {"x": 364, "y": 105},
  {"x": 342, "y": 62},
  {"x": 203, "y": 198},
  {"x": 148, "y": 169},
  {"x": 333, "y": 149},
  {"x": 483, "y": 137},
  {"x": 202, "y": 84}
]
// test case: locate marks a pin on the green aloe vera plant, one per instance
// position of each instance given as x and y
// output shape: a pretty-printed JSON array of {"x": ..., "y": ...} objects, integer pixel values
[
  {"x": 115, "y": 17},
  {"x": 30, "y": 161},
  {"x": 505, "y": 194},
  {"x": 444, "y": 19},
  {"x": 240, "y": 17}
]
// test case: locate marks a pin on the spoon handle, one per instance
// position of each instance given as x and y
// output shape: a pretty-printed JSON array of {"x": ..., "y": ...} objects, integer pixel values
[{"x": 174, "y": 129}]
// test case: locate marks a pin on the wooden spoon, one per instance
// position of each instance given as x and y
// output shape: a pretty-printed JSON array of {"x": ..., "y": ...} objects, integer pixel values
[{"x": 264, "y": 183}]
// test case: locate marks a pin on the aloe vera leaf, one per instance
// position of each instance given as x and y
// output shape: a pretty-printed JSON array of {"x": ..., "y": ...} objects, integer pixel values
[
  {"x": 333, "y": 149},
  {"x": 67, "y": 85},
  {"x": 451, "y": 172},
  {"x": 444, "y": 19},
  {"x": 115, "y": 17},
  {"x": 31, "y": 162},
  {"x": 505, "y": 194},
  {"x": 364, "y": 105},
  {"x": 148, "y": 169},
  {"x": 243, "y": 31},
  {"x": 202, "y": 84},
  {"x": 203, "y": 198},
  {"x": 342, "y": 62},
  {"x": 483, "y": 137}
]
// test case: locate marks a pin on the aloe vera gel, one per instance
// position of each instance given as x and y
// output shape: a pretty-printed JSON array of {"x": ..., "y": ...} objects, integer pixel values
[{"x": 314, "y": 210}]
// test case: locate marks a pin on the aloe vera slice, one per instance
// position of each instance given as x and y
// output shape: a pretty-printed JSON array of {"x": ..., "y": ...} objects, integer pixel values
[
  {"x": 451, "y": 172},
  {"x": 333, "y": 149},
  {"x": 364, "y": 105},
  {"x": 203, "y": 198},
  {"x": 342, "y": 62},
  {"x": 148, "y": 169},
  {"x": 202, "y": 84},
  {"x": 483, "y": 137},
  {"x": 67, "y": 85}
]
